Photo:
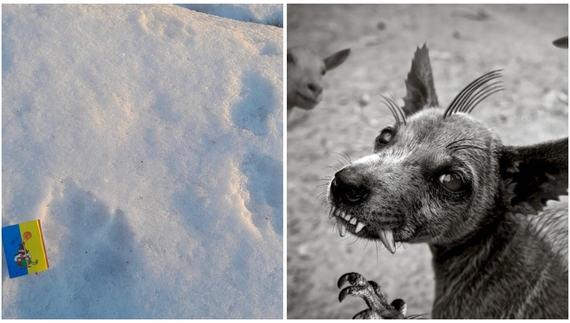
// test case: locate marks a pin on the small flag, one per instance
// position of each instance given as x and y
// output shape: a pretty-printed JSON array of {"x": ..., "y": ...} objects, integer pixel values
[{"x": 24, "y": 248}]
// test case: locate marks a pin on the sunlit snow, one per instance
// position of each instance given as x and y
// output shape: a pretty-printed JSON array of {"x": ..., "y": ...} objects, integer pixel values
[{"x": 148, "y": 141}]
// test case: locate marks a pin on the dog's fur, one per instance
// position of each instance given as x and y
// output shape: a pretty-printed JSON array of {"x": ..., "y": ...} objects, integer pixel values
[
  {"x": 444, "y": 178},
  {"x": 305, "y": 71}
]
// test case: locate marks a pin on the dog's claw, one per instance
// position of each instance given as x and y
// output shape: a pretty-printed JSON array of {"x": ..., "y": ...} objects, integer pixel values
[
  {"x": 342, "y": 280},
  {"x": 343, "y": 293},
  {"x": 353, "y": 279},
  {"x": 374, "y": 297}
]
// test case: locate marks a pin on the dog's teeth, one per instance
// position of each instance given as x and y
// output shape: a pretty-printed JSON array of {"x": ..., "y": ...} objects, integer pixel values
[
  {"x": 353, "y": 221},
  {"x": 341, "y": 229},
  {"x": 387, "y": 238},
  {"x": 359, "y": 227}
]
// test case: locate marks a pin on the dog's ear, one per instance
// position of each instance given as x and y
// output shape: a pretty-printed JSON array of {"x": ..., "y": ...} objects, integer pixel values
[
  {"x": 420, "y": 91},
  {"x": 534, "y": 174}
]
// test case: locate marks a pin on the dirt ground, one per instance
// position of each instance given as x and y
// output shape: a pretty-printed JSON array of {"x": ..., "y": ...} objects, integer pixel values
[{"x": 465, "y": 41}]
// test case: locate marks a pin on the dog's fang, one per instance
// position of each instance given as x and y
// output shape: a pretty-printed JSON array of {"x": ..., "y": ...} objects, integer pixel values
[
  {"x": 359, "y": 227},
  {"x": 387, "y": 238},
  {"x": 341, "y": 229}
]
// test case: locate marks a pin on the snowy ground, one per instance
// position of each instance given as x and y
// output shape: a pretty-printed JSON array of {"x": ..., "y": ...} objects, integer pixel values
[
  {"x": 148, "y": 141},
  {"x": 258, "y": 13}
]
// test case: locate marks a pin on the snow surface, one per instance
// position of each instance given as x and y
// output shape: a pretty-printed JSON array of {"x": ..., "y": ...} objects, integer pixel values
[
  {"x": 148, "y": 141},
  {"x": 259, "y": 13}
]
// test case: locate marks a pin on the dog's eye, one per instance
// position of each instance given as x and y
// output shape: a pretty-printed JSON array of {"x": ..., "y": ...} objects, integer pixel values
[
  {"x": 452, "y": 182},
  {"x": 384, "y": 137}
]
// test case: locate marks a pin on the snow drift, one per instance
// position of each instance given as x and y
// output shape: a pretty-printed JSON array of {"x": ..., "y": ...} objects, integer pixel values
[
  {"x": 251, "y": 12},
  {"x": 148, "y": 141}
]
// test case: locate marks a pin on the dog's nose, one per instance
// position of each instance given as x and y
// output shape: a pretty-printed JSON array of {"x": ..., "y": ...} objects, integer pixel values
[{"x": 349, "y": 186}]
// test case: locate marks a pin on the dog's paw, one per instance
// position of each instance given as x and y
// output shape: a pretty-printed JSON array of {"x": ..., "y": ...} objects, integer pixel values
[{"x": 372, "y": 294}]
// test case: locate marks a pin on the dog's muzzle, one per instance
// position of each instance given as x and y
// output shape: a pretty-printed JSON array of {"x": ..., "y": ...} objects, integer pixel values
[{"x": 348, "y": 187}]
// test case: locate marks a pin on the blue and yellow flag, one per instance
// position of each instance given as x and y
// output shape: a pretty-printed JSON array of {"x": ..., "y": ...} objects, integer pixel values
[{"x": 24, "y": 248}]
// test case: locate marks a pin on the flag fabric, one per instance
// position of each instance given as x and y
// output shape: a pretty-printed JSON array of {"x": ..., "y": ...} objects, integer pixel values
[{"x": 24, "y": 248}]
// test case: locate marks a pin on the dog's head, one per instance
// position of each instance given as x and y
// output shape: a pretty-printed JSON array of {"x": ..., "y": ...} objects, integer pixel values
[
  {"x": 427, "y": 180},
  {"x": 440, "y": 176}
]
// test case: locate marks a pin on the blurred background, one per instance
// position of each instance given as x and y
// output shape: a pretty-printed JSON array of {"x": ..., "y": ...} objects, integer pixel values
[{"x": 464, "y": 41}]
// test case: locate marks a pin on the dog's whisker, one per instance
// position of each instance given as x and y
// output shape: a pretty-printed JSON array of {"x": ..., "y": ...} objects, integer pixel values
[
  {"x": 353, "y": 242},
  {"x": 465, "y": 94},
  {"x": 463, "y": 145},
  {"x": 393, "y": 113},
  {"x": 391, "y": 108},
  {"x": 347, "y": 157},
  {"x": 343, "y": 162},
  {"x": 459, "y": 144},
  {"x": 467, "y": 105},
  {"x": 385, "y": 120},
  {"x": 457, "y": 141},
  {"x": 395, "y": 109},
  {"x": 472, "y": 87},
  {"x": 334, "y": 168},
  {"x": 342, "y": 154},
  {"x": 489, "y": 93},
  {"x": 321, "y": 188},
  {"x": 456, "y": 148},
  {"x": 399, "y": 109},
  {"x": 472, "y": 94}
]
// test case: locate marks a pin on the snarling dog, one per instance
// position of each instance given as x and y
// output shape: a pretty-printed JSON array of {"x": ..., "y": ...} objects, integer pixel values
[{"x": 443, "y": 178}]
